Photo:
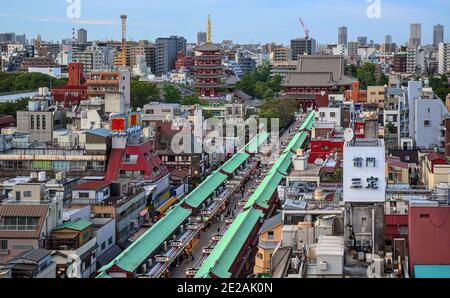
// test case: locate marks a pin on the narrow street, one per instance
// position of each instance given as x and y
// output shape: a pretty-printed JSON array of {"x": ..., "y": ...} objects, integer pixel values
[{"x": 205, "y": 239}]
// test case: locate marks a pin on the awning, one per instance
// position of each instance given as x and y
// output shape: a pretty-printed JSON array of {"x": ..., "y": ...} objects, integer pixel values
[
  {"x": 143, "y": 213},
  {"x": 166, "y": 205}
]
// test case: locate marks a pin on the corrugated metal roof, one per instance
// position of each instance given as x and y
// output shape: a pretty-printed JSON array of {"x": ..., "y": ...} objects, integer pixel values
[
  {"x": 309, "y": 122},
  {"x": 77, "y": 225},
  {"x": 228, "y": 248},
  {"x": 233, "y": 163},
  {"x": 205, "y": 189},
  {"x": 265, "y": 191},
  {"x": 20, "y": 210},
  {"x": 134, "y": 255}
]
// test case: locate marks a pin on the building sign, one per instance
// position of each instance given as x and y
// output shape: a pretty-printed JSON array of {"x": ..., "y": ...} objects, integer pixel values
[
  {"x": 162, "y": 259},
  {"x": 207, "y": 250},
  {"x": 364, "y": 172},
  {"x": 218, "y": 200},
  {"x": 175, "y": 243},
  {"x": 192, "y": 227},
  {"x": 216, "y": 237},
  {"x": 229, "y": 221},
  {"x": 125, "y": 124},
  {"x": 191, "y": 272}
]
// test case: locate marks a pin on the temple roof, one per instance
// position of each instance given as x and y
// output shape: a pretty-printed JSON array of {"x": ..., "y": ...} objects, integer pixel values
[
  {"x": 207, "y": 47},
  {"x": 318, "y": 71}
]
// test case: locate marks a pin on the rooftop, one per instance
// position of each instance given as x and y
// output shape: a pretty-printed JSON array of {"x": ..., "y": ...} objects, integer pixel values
[{"x": 77, "y": 225}]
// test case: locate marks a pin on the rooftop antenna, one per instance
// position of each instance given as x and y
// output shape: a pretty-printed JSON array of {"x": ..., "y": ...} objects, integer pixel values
[{"x": 209, "y": 29}]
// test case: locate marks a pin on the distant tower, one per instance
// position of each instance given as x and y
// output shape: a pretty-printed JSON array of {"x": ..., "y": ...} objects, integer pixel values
[
  {"x": 415, "y": 35},
  {"x": 209, "y": 29},
  {"x": 124, "y": 41}
]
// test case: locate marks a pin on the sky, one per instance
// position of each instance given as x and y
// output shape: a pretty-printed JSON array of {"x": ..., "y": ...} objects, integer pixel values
[{"x": 243, "y": 21}]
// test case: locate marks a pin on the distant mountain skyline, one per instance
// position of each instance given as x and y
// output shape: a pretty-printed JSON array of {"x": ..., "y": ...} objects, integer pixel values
[{"x": 243, "y": 21}]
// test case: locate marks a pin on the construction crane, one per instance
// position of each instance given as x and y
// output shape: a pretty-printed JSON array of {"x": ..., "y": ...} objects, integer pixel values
[{"x": 304, "y": 28}]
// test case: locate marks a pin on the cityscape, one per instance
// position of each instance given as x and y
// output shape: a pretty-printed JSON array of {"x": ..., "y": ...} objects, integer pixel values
[{"x": 200, "y": 157}]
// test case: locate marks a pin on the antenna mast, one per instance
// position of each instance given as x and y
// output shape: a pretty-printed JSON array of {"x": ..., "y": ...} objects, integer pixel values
[{"x": 209, "y": 29}]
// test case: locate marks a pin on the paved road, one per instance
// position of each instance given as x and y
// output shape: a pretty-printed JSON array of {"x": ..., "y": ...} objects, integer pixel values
[{"x": 205, "y": 237}]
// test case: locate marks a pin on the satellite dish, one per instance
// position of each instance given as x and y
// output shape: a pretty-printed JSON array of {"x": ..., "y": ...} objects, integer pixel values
[
  {"x": 318, "y": 162},
  {"x": 349, "y": 135}
]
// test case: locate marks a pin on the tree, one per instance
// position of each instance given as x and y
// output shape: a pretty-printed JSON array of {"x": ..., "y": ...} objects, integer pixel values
[
  {"x": 384, "y": 80},
  {"x": 191, "y": 100},
  {"x": 19, "y": 82},
  {"x": 260, "y": 89},
  {"x": 11, "y": 107},
  {"x": 143, "y": 92},
  {"x": 366, "y": 75},
  {"x": 281, "y": 109},
  {"x": 172, "y": 94}
]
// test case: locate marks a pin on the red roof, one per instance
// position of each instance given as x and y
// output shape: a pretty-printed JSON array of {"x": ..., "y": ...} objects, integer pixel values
[
  {"x": 92, "y": 185},
  {"x": 7, "y": 120},
  {"x": 436, "y": 156},
  {"x": 179, "y": 173},
  {"x": 396, "y": 162}
]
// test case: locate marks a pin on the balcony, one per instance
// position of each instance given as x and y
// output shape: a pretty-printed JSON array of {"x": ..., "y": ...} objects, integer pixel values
[{"x": 28, "y": 228}]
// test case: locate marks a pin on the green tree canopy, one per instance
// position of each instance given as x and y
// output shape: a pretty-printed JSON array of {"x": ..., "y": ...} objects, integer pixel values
[
  {"x": 143, "y": 92},
  {"x": 172, "y": 94}
]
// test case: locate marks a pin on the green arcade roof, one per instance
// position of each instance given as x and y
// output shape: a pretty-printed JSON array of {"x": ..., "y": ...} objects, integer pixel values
[
  {"x": 228, "y": 248},
  {"x": 231, "y": 165},
  {"x": 134, "y": 255},
  {"x": 205, "y": 189},
  {"x": 256, "y": 142},
  {"x": 77, "y": 225}
]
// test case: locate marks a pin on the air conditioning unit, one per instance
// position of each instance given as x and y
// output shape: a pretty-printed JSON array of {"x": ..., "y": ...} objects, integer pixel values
[
  {"x": 323, "y": 266},
  {"x": 367, "y": 243},
  {"x": 359, "y": 243}
]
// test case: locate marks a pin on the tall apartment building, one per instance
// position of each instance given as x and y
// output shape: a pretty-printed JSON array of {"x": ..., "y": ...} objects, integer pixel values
[
  {"x": 302, "y": 46},
  {"x": 362, "y": 40},
  {"x": 150, "y": 56},
  {"x": 342, "y": 36},
  {"x": 82, "y": 35},
  {"x": 444, "y": 58},
  {"x": 400, "y": 62},
  {"x": 353, "y": 48},
  {"x": 280, "y": 54},
  {"x": 415, "y": 35},
  {"x": 166, "y": 53},
  {"x": 201, "y": 37},
  {"x": 438, "y": 34}
]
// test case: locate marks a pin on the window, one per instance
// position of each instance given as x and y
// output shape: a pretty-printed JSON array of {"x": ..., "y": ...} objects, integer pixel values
[
  {"x": 103, "y": 245},
  {"x": 332, "y": 115},
  {"x": 423, "y": 216},
  {"x": 110, "y": 240},
  {"x": 270, "y": 235},
  {"x": 27, "y": 194},
  {"x": 32, "y": 122},
  {"x": 83, "y": 195},
  {"x": 407, "y": 158},
  {"x": 260, "y": 256},
  {"x": 38, "y": 122},
  {"x": 426, "y": 123},
  {"x": 3, "y": 244},
  {"x": 43, "y": 122},
  {"x": 429, "y": 110},
  {"x": 322, "y": 114}
]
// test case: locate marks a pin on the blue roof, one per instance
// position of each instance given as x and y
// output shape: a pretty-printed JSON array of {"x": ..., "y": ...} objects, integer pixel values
[
  {"x": 103, "y": 132},
  {"x": 432, "y": 271}
]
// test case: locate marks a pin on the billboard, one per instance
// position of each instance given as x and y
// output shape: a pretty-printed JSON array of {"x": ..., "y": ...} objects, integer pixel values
[{"x": 124, "y": 125}]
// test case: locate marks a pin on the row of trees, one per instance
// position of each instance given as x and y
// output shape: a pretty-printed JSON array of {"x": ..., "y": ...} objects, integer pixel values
[
  {"x": 11, "y": 107},
  {"x": 259, "y": 83},
  {"x": 19, "y": 82},
  {"x": 282, "y": 109},
  {"x": 366, "y": 75},
  {"x": 440, "y": 86}
]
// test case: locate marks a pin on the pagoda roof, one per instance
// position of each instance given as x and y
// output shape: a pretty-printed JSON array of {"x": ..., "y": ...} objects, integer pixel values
[{"x": 207, "y": 47}]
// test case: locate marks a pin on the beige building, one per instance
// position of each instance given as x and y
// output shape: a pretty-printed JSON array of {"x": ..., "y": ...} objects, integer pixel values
[
  {"x": 376, "y": 95},
  {"x": 269, "y": 239},
  {"x": 397, "y": 172},
  {"x": 434, "y": 170}
]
